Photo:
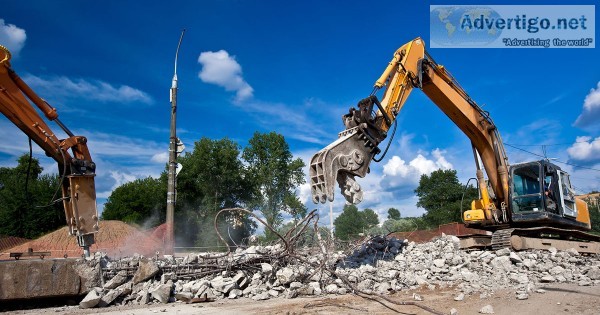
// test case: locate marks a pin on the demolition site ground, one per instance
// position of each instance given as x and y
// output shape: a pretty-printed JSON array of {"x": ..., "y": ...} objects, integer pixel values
[
  {"x": 377, "y": 275},
  {"x": 558, "y": 299}
]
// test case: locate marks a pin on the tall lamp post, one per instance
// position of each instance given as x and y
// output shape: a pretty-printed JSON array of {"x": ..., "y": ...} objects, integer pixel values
[{"x": 172, "y": 176}]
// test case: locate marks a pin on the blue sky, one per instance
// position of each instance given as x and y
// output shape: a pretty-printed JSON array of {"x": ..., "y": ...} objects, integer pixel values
[{"x": 291, "y": 67}]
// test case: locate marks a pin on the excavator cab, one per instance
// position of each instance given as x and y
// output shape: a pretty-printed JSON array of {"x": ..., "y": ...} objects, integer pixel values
[{"x": 541, "y": 192}]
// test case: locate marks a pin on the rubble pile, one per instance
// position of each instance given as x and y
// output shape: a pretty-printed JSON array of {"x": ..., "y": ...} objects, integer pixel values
[
  {"x": 441, "y": 263},
  {"x": 375, "y": 249},
  {"x": 275, "y": 271}
]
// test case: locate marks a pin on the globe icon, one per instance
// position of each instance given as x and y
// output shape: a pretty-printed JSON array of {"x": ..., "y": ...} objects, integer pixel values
[{"x": 463, "y": 26}]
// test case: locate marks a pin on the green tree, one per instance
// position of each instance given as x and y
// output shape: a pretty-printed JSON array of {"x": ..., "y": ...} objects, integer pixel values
[
  {"x": 351, "y": 222},
  {"x": 27, "y": 200},
  {"x": 400, "y": 225},
  {"x": 393, "y": 214},
  {"x": 440, "y": 195},
  {"x": 348, "y": 224},
  {"x": 594, "y": 209},
  {"x": 369, "y": 218},
  {"x": 212, "y": 178},
  {"x": 275, "y": 176},
  {"x": 142, "y": 202}
]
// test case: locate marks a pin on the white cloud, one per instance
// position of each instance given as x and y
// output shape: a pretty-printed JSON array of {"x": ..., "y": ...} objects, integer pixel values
[
  {"x": 121, "y": 178},
  {"x": 304, "y": 193},
  {"x": 12, "y": 37},
  {"x": 585, "y": 149},
  {"x": 65, "y": 88},
  {"x": 418, "y": 166},
  {"x": 440, "y": 160},
  {"x": 590, "y": 116},
  {"x": 223, "y": 70},
  {"x": 402, "y": 178},
  {"x": 162, "y": 157}
]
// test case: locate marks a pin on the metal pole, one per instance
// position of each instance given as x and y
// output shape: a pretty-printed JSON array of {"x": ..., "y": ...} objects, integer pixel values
[
  {"x": 172, "y": 179},
  {"x": 331, "y": 219}
]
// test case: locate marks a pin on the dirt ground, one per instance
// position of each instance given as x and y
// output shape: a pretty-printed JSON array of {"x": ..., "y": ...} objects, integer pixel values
[{"x": 558, "y": 299}]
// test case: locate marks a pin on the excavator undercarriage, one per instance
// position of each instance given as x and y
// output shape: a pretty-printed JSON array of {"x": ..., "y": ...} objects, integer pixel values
[{"x": 534, "y": 238}]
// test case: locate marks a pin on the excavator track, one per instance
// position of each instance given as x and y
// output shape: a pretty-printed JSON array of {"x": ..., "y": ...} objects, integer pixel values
[
  {"x": 543, "y": 238},
  {"x": 535, "y": 238},
  {"x": 561, "y": 239},
  {"x": 501, "y": 239}
]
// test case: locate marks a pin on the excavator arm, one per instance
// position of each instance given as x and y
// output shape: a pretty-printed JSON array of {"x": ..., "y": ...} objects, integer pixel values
[
  {"x": 366, "y": 127},
  {"x": 76, "y": 168}
]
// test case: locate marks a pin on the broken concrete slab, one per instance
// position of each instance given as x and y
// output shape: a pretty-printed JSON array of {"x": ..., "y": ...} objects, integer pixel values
[
  {"x": 162, "y": 293},
  {"x": 117, "y": 280},
  {"x": 146, "y": 270},
  {"x": 24, "y": 279},
  {"x": 108, "y": 298},
  {"x": 184, "y": 296},
  {"x": 144, "y": 297},
  {"x": 91, "y": 299}
]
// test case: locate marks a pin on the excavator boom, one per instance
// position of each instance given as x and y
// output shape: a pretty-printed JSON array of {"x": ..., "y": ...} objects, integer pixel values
[
  {"x": 76, "y": 168},
  {"x": 368, "y": 125}
]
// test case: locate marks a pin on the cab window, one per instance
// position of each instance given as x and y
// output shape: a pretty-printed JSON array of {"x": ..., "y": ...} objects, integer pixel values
[{"x": 527, "y": 191}]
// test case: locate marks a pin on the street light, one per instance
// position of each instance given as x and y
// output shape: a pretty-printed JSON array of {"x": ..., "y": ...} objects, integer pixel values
[{"x": 172, "y": 176}]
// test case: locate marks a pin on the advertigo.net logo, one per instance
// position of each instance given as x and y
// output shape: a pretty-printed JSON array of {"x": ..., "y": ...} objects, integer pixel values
[{"x": 512, "y": 26}]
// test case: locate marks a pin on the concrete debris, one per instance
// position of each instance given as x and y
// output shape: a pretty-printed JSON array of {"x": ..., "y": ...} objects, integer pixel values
[
  {"x": 108, "y": 298},
  {"x": 91, "y": 299},
  {"x": 522, "y": 296},
  {"x": 117, "y": 280},
  {"x": 146, "y": 270},
  {"x": 162, "y": 293},
  {"x": 460, "y": 297},
  {"x": 255, "y": 275},
  {"x": 266, "y": 268},
  {"x": 235, "y": 293},
  {"x": 47, "y": 278},
  {"x": 183, "y": 296},
  {"x": 417, "y": 297},
  {"x": 488, "y": 309}
]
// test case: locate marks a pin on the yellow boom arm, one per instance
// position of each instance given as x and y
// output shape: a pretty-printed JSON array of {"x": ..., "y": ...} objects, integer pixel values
[{"x": 366, "y": 127}]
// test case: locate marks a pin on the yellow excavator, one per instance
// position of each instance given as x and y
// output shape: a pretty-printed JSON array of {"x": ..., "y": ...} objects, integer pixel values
[
  {"x": 76, "y": 170},
  {"x": 525, "y": 205}
]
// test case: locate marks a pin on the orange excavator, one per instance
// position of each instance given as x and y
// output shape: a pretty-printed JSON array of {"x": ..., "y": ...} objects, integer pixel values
[
  {"x": 76, "y": 169},
  {"x": 526, "y": 205}
]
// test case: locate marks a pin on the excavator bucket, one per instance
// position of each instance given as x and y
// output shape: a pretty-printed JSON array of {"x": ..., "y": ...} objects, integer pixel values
[{"x": 348, "y": 156}]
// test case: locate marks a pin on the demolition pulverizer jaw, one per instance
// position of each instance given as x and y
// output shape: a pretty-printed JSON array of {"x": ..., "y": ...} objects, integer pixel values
[
  {"x": 341, "y": 161},
  {"x": 351, "y": 154},
  {"x": 350, "y": 188}
]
